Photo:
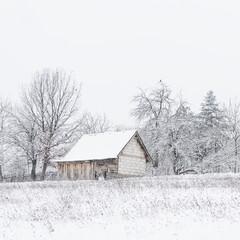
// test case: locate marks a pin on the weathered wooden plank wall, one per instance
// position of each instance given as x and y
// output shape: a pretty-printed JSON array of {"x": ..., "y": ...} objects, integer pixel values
[
  {"x": 86, "y": 170},
  {"x": 76, "y": 170}
]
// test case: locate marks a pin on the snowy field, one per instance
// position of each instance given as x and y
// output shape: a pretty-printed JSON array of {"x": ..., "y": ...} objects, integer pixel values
[{"x": 169, "y": 207}]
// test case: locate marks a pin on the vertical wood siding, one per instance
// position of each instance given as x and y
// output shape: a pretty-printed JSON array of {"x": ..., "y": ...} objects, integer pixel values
[
  {"x": 76, "y": 170},
  {"x": 85, "y": 170}
]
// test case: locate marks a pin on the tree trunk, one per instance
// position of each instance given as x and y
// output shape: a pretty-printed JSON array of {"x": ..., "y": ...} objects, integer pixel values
[
  {"x": 176, "y": 169},
  {"x": 1, "y": 175},
  {"x": 45, "y": 164},
  {"x": 236, "y": 153},
  {"x": 156, "y": 160},
  {"x": 33, "y": 171}
]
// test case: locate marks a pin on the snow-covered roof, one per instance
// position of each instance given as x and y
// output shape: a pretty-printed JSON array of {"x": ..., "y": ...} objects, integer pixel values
[{"x": 99, "y": 146}]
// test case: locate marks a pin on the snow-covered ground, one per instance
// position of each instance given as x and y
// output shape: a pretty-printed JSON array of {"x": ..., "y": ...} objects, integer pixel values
[{"x": 169, "y": 207}]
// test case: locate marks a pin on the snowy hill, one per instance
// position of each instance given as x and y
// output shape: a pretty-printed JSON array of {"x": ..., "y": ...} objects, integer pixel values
[{"x": 170, "y": 207}]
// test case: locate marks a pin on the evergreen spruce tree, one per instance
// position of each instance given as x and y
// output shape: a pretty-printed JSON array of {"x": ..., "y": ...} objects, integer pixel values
[
  {"x": 210, "y": 113},
  {"x": 212, "y": 128}
]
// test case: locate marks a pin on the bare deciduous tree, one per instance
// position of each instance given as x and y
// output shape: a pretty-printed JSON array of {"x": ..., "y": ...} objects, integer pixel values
[
  {"x": 153, "y": 105},
  {"x": 25, "y": 136},
  {"x": 153, "y": 108},
  {"x": 167, "y": 130},
  {"x": 90, "y": 124},
  {"x": 52, "y": 101}
]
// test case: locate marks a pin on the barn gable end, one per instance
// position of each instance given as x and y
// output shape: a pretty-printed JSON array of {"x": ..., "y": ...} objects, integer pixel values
[{"x": 132, "y": 159}]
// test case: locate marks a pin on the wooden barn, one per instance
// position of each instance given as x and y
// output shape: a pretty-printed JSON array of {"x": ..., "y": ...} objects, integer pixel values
[{"x": 110, "y": 155}]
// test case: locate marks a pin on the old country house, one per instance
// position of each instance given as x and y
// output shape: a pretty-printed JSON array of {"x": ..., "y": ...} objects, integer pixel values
[{"x": 110, "y": 154}]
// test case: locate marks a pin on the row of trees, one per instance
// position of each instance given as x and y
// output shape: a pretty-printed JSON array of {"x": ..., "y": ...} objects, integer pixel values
[
  {"x": 47, "y": 121},
  {"x": 44, "y": 124},
  {"x": 180, "y": 140}
]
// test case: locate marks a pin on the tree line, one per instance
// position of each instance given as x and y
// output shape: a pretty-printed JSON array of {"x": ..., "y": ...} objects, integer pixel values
[
  {"x": 180, "y": 140},
  {"x": 47, "y": 121}
]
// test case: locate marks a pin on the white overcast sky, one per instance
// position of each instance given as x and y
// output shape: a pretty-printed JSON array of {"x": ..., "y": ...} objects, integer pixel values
[{"x": 113, "y": 47}]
